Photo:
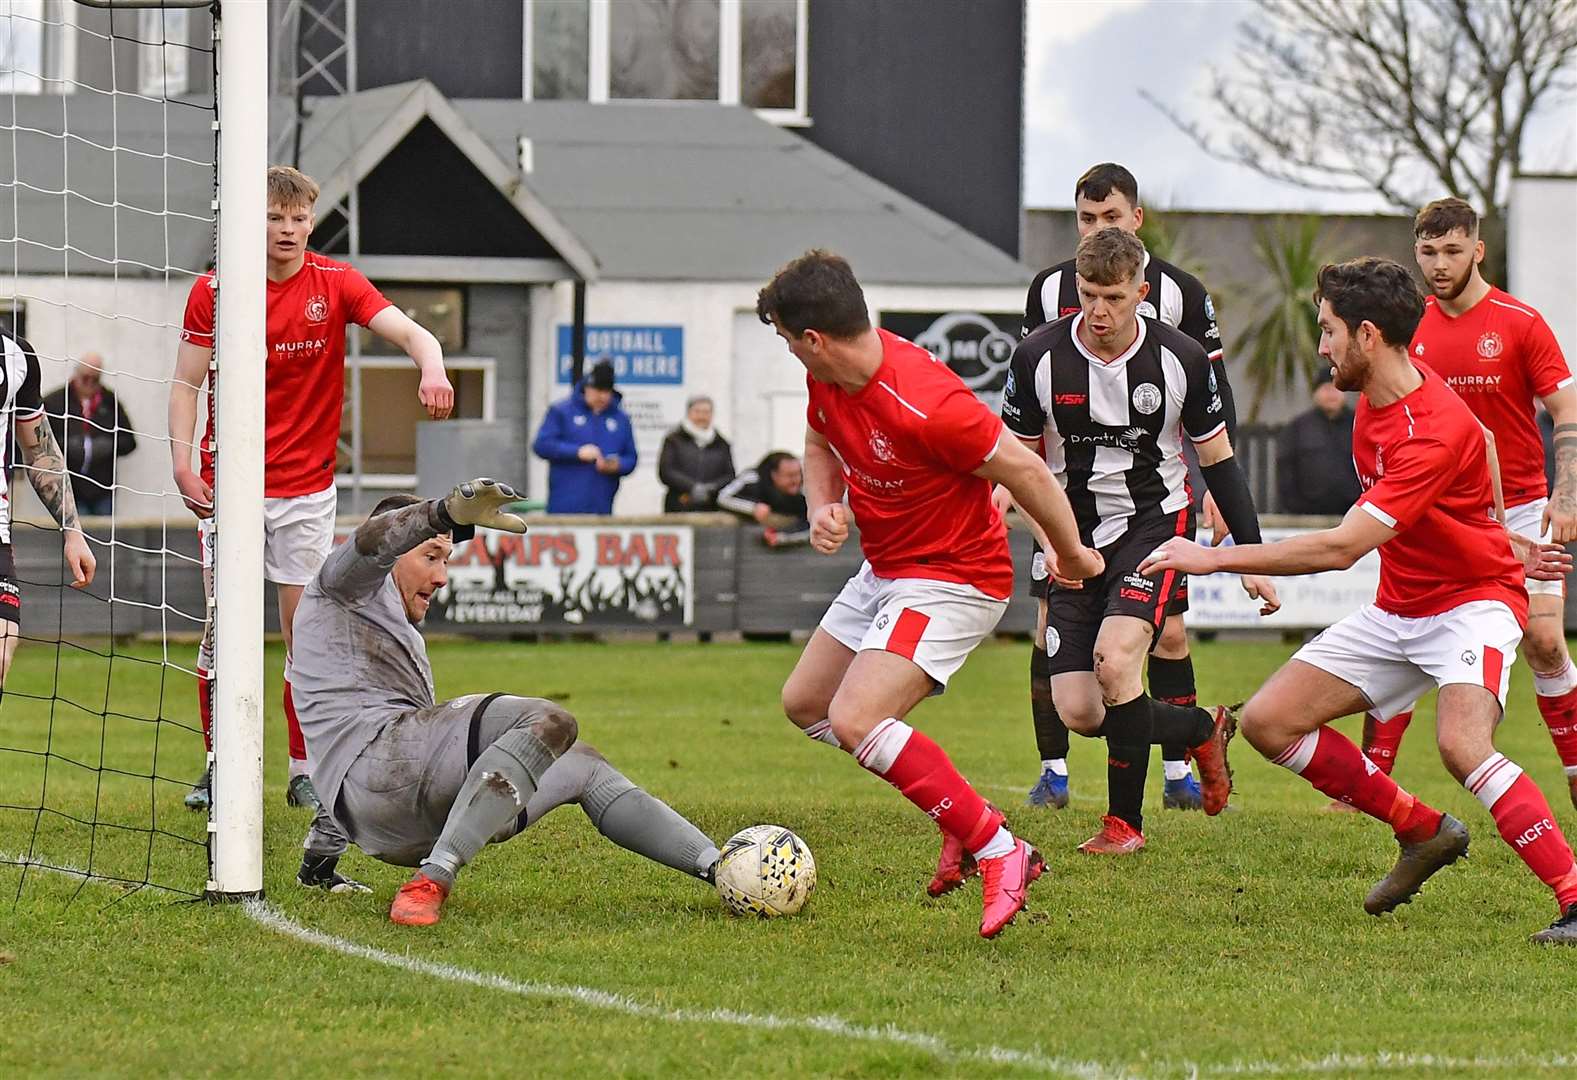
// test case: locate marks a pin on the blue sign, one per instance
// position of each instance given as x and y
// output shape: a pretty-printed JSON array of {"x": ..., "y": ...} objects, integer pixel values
[{"x": 642, "y": 355}]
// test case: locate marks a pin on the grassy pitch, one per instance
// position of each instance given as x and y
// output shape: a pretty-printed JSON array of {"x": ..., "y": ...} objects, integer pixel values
[{"x": 1233, "y": 946}]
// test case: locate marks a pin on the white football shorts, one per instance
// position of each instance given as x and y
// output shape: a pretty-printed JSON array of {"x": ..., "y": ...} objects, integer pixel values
[
  {"x": 934, "y": 624},
  {"x": 298, "y": 535},
  {"x": 1395, "y": 660},
  {"x": 1525, "y": 519}
]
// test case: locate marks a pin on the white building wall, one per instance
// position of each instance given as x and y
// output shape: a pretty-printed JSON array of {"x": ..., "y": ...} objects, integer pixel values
[
  {"x": 1541, "y": 250},
  {"x": 134, "y": 324},
  {"x": 728, "y": 355}
]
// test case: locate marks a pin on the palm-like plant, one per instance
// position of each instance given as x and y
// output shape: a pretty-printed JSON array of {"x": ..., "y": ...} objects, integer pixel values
[{"x": 1282, "y": 342}]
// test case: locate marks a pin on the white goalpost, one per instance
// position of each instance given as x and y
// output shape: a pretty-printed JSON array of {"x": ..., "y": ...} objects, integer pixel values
[
  {"x": 236, "y": 822},
  {"x": 133, "y": 158}
]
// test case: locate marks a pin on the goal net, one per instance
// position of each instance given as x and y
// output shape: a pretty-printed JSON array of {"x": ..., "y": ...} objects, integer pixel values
[{"x": 110, "y": 145}]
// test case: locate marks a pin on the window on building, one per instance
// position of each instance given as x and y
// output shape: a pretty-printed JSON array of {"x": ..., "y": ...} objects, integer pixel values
[
  {"x": 663, "y": 49},
  {"x": 558, "y": 41},
  {"x": 438, "y": 308},
  {"x": 390, "y": 411},
  {"x": 737, "y": 52},
  {"x": 769, "y": 54},
  {"x": 163, "y": 60},
  {"x": 22, "y": 47}
]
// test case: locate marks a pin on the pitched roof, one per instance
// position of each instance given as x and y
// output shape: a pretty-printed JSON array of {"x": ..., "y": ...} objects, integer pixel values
[{"x": 631, "y": 191}]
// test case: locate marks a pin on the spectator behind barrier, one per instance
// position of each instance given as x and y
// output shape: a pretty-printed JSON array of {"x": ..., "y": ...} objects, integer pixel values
[
  {"x": 771, "y": 494},
  {"x": 589, "y": 445},
  {"x": 695, "y": 462},
  {"x": 94, "y": 430},
  {"x": 1314, "y": 469}
]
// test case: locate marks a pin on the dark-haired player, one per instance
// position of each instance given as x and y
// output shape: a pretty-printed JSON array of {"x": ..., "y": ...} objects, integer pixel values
[
  {"x": 1107, "y": 196},
  {"x": 1107, "y": 395},
  {"x": 1498, "y": 354},
  {"x": 915, "y": 454},
  {"x": 417, "y": 782},
  {"x": 1450, "y": 609}
]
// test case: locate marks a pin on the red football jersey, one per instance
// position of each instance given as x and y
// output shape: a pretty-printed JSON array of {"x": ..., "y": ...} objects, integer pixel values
[
  {"x": 307, "y": 315},
  {"x": 1425, "y": 473},
  {"x": 1499, "y": 355},
  {"x": 908, "y": 442}
]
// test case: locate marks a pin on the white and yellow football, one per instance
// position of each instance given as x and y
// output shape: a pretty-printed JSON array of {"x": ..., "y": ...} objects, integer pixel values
[{"x": 765, "y": 870}]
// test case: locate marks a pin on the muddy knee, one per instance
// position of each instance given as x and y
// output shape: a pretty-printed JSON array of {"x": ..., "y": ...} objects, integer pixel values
[{"x": 553, "y": 724}]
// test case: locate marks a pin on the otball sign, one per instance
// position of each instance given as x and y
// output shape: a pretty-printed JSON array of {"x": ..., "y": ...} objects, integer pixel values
[
  {"x": 569, "y": 577},
  {"x": 977, "y": 346}
]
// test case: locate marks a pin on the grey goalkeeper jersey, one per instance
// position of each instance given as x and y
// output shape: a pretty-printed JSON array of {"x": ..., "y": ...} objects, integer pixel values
[{"x": 357, "y": 662}]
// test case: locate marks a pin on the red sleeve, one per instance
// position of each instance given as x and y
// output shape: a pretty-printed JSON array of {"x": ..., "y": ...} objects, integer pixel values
[
  {"x": 198, "y": 325},
  {"x": 1547, "y": 369},
  {"x": 1417, "y": 473},
  {"x": 362, "y": 299},
  {"x": 961, "y": 432}
]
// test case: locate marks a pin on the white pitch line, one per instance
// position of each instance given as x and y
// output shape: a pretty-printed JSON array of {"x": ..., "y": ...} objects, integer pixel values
[
  {"x": 602, "y": 999},
  {"x": 1383, "y": 1061}
]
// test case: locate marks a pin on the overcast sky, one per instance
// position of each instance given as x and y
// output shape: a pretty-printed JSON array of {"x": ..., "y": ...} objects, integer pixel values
[{"x": 1086, "y": 63}]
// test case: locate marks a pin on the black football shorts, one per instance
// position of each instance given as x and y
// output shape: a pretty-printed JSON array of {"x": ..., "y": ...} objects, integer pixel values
[{"x": 1074, "y": 616}]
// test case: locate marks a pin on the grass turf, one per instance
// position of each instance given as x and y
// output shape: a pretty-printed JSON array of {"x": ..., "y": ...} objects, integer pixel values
[{"x": 1234, "y": 945}]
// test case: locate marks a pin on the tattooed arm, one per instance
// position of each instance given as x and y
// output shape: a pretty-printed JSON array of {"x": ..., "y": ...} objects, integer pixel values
[
  {"x": 1560, "y": 516},
  {"x": 46, "y": 468}
]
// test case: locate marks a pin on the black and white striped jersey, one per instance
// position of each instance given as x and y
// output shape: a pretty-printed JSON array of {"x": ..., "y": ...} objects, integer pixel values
[
  {"x": 1176, "y": 297},
  {"x": 1113, "y": 432},
  {"x": 20, "y": 399}
]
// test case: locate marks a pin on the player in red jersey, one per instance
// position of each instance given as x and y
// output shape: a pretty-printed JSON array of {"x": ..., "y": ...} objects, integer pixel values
[
  {"x": 1450, "y": 609},
  {"x": 311, "y": 300},
  {"x": 916, "y": 454},
  {"x": 1499, "y": 356}
]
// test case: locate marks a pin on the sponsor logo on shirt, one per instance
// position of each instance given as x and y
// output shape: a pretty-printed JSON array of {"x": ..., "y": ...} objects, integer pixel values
[
  {"x": 1070, "y": 399},
  {"x": 300, "y": 346},
  {"x": 874, "y": 483},
  {"x": 1490, "y": 346},
  {"x": 317, "y": 309},
  {"x": 1460, "y": 383},
  {"x": 1067, "y": 311},
  {"x": 1379, "y": 460},
  {"x": 1418, "y": 350},
  {"x": 1147, "y": 398},
  {"x": 1127, "y": 439},
  {"x": 882, "y": 447}
]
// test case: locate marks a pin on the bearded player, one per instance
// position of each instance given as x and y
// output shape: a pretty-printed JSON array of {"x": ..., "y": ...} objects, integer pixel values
[
  {"x": 916, "y": 455},
  {"x": 417, "y": 782},
  {"x": 1107, "y": 196},
  {"x": 1449, "y": 614},
  {"x": 311, "y": 300},
  {"x": 1498, "y": 354}
]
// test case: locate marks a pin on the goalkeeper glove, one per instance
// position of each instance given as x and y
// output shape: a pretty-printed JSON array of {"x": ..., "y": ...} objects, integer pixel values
[{"x": 480, "y": 502}]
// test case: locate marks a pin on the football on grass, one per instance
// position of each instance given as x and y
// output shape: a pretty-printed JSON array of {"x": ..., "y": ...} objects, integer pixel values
[{"x": 765, "y": 870}]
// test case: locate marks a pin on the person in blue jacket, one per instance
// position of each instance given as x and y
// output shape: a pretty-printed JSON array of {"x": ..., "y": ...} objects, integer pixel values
[{"x": 588, "y": 443}]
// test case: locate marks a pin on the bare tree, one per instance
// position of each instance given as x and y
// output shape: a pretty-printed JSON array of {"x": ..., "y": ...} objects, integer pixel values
[{"x": 1412, "y": 99}]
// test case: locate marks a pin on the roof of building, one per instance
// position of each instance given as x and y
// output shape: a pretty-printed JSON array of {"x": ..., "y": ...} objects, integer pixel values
[{"x": 629, "y": 191}]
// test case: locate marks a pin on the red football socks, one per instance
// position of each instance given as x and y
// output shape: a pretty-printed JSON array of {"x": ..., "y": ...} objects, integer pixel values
[
  {"x": 205, "y": 686},
  {"x": 1328, "y": 759},
  {"x": 1557, "y": 699},
  {"x": 1382, "y": 738},
  {"x": 920, "y": 769},
  {"x": 1525, "y": 822},
  {"x": 298, "y": 742}
]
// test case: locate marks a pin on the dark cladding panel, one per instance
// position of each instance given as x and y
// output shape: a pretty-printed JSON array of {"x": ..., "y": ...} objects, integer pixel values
[
  {"x": 466, "y": 48},
  {"x": 927, "y": 97}
]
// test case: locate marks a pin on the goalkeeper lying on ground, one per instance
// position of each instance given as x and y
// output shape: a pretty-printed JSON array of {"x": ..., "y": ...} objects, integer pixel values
[{"x": 416, "y": 783}]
